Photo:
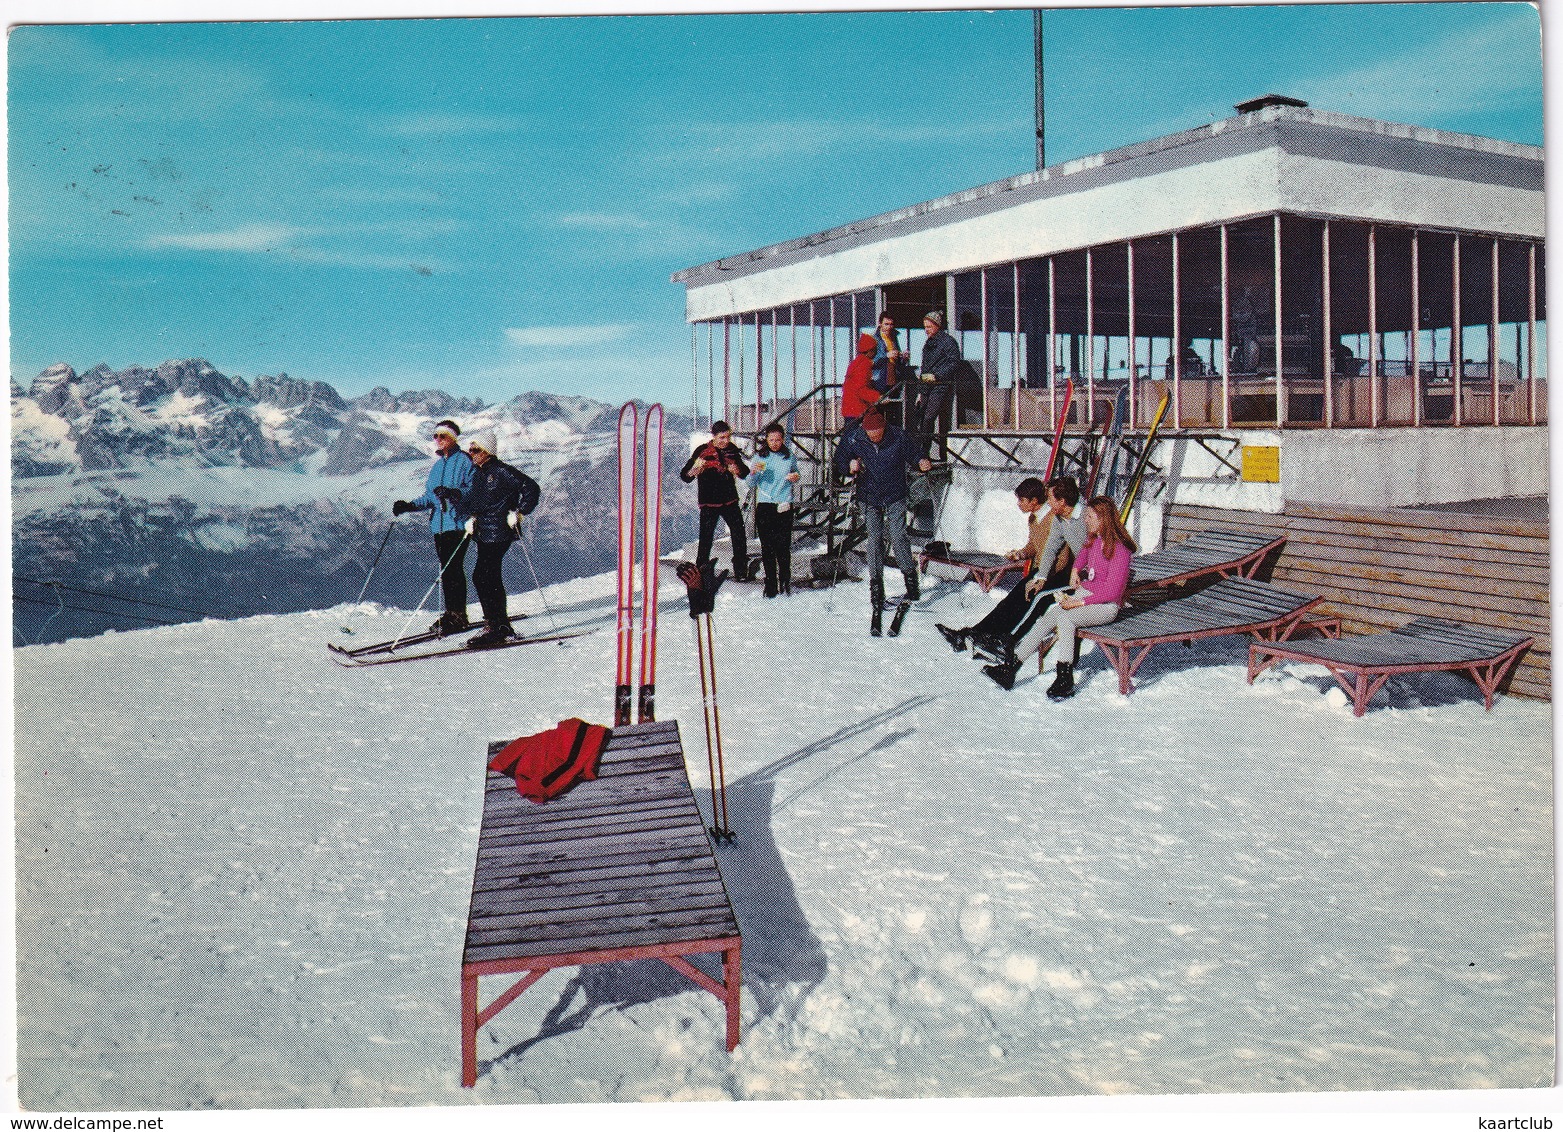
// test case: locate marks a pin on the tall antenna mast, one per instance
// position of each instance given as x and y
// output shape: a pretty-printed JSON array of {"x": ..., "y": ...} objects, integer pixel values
[{"x": 1036, "y": 18}]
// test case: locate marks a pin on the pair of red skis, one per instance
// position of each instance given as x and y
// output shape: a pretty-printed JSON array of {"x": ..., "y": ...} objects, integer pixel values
[{"x": 640, "y": 467}]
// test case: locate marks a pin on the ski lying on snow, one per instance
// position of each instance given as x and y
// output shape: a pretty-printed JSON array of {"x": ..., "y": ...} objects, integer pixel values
[{"x": 458, "y": 650}]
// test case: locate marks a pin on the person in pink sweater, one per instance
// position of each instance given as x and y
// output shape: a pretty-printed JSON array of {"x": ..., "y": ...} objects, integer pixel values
[{"x": 1098, "y": 582}]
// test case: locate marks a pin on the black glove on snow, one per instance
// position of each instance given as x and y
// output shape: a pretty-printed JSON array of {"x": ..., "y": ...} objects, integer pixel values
[{"x": 401, "y": 507}]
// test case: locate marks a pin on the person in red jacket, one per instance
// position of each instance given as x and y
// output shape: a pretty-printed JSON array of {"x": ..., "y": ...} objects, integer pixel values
[
  {"x": 715, "y": 469},
  {"x": 857, "y": 390}
]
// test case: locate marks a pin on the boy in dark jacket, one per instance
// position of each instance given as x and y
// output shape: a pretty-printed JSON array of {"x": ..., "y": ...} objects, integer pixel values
[
  {"x": 880, "y": 456},
  {"x": 715, "y": 468}
]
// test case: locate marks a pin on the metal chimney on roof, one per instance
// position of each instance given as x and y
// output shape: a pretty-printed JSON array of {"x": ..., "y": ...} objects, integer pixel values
[{"x": 1265, "y": 100}]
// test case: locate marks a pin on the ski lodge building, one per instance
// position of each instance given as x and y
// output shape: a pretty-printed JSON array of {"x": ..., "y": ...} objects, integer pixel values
[{"x": 1347, "y": 318}]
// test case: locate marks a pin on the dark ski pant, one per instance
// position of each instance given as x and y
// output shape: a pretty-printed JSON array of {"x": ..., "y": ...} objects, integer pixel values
[
  {"x": 775, "y": 530},
  {"x": 933, "y": 419},
  {"x": 488, "y": 578},
  {"x": 451, "y": 546},
  {"x": 1013, "y": 616},
  {"x": 881, "y": 521},
  {"x": 733, "y": 515}
]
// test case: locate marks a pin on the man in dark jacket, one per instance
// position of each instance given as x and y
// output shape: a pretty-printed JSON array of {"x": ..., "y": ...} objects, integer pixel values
[
  {"x": 941, "y": 356},
  {"x": 497, "y": 499},
  {"x": 715, "y": 468},
  {"x": 880, "y": 456}
]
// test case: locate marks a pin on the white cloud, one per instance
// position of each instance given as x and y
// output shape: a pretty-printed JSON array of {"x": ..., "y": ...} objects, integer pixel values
[
  {"x": 1466, "y": 72},
  {"x": 569, "y": 336},
  {"x": 604, "y": 221},
  {"x": 438, "y": 125},
  {"x": 246, "y": 238}
]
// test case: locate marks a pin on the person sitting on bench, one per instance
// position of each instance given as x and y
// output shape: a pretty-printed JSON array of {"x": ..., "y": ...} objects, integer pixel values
[
  {"x": 1098, "y": 581},
  {"x": 1056, "y": 535}
]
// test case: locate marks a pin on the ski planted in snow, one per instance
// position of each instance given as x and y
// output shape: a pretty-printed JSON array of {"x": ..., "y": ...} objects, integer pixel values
[
  {"x": 457, "y": 650},
  {"x": 651, "y": 550},
  {"x": 1058, "y": 431},
  {"x": 1115, "y": 440},
  {"x": 1088, "y": 488},
  {"x": 1145, "y": 458},
  {"x": 625, "y": 619}
]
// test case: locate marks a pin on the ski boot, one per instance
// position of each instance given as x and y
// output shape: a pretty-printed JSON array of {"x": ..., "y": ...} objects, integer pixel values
[
  {"x": 1063, "y": 685},
  {"x": 876, "y": 596},
  {"x": 914, "y": 591},
  {"x": 492, "y": 637},
  {"x": 452, "y": 621},
  {"x": 955, "y": 637},
  {"x": 1001, "y": 674}
]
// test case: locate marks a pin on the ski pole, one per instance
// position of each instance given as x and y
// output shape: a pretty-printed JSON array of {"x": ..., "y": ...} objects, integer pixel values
[
  {"x": 705, "y": 709},
  {"x": 376, "y": 561},
  {"x": 554, "y": 625},
  {"x": 723, "y": 832},
  {"x": 430, "y": 591}
]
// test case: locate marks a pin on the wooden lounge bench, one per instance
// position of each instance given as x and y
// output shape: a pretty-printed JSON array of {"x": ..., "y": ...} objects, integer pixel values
[
  {"x": 1363, "y": 665},
  {"x": 1223, "y": 553},
  {"x": 986, "y": 569},
  {"x": 1229, "y": 607},
  {"x": 617, "y": 869}
]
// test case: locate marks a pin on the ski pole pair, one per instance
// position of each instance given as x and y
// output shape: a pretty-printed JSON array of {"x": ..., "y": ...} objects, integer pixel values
[{"x": 702, "y": 584}]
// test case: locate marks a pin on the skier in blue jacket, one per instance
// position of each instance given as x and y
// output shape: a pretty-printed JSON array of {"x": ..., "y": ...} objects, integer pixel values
[
  {"x": 452, "y": 469},
  {"x": 773, "y": 471}
]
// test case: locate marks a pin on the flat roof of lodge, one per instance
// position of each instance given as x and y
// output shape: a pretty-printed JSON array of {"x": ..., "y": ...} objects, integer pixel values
[{"x": 1393, "y": 147}]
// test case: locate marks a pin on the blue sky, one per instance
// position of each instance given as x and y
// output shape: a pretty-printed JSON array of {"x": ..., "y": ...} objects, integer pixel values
[{"x": 490, "y": 206}]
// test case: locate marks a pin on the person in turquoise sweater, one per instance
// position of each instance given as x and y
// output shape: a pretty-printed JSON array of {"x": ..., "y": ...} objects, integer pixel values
[
  {"x": 452, "y": 471},
  {"x": 772, "y": 473}
]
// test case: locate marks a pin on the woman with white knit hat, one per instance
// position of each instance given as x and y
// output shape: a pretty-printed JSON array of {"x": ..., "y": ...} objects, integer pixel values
[{"x": 497, "y": 499}]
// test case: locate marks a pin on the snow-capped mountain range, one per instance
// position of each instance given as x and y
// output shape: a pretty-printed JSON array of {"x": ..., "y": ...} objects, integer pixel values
[{"x": 200, "y": 493}]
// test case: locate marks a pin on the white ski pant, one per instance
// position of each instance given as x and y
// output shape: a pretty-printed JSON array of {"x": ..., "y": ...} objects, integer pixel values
[{"x": 1063, "y": 622}]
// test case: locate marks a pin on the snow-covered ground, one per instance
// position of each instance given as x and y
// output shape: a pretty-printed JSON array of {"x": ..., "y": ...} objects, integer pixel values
[{"x": 243, "y": 872}]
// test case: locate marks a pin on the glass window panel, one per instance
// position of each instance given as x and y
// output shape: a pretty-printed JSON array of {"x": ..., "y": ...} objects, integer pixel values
[
  {"x": 967, "y": 329},
  {"x": 999, "y": 355},
  {"x": 1069, "y": 331},
  {"x": 1350, "y": 339},
  {"x": 1395, "y": 322},
  {"x": 1038, "y": 398},
  {"x": 1251, "y": 320},
  {"x": 1152, "y": 322},
  {"x": 1474, "y": 358},
  {"x": 1202, "y": 353},
  {"x": 1435, "y": 332},
  {"x": 1109, "y": 322},
  {"x": 1302, "y": 318}
]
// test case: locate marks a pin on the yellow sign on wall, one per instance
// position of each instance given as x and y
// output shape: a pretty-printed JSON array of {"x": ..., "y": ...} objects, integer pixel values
[{"x": 1261, "y": 463}]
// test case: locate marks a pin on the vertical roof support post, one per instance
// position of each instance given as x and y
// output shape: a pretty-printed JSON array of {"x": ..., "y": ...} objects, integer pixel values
[
  {"x": 1177, "y": 337},
  {"x": 1280, "y": 360},
  {"x": 982, "y": 322},
  {"x": 1014, "y": 351},
  {"x": 1457, "y": 338},
  {"x": 727, "y": 369},
  {"x": 1375, "y": 410},
  {"x": 1090, "y": 335},
  {"x": 1416, "y": 328},
  {"x": 1329, "y": 330},
  {"x": 1492, "y": 337},
  {"x": 694, "y": 370},
  {"x": 1134, "y": 404},
  {"x": 1052, "y": 332},
  {"x": 1530, "y": 356},
  {"x": 1226, "y": 320},
  {"x": 792, "y": 317}
]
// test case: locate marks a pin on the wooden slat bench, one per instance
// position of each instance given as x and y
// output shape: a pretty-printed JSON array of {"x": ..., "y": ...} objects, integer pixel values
[
  {"x": 1227, "y": 608},
  {"x": 1363, "y": 665},
  {"x": 986, "y": 569},
  {"x": 1219, "y": 552},
  {"x": 616, "y": 869}
]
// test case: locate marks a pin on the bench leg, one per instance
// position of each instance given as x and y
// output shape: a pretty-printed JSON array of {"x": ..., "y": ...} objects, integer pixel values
[
  {"x": 469, "y": 1030},
  {"x": 732, "y": 978}
]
